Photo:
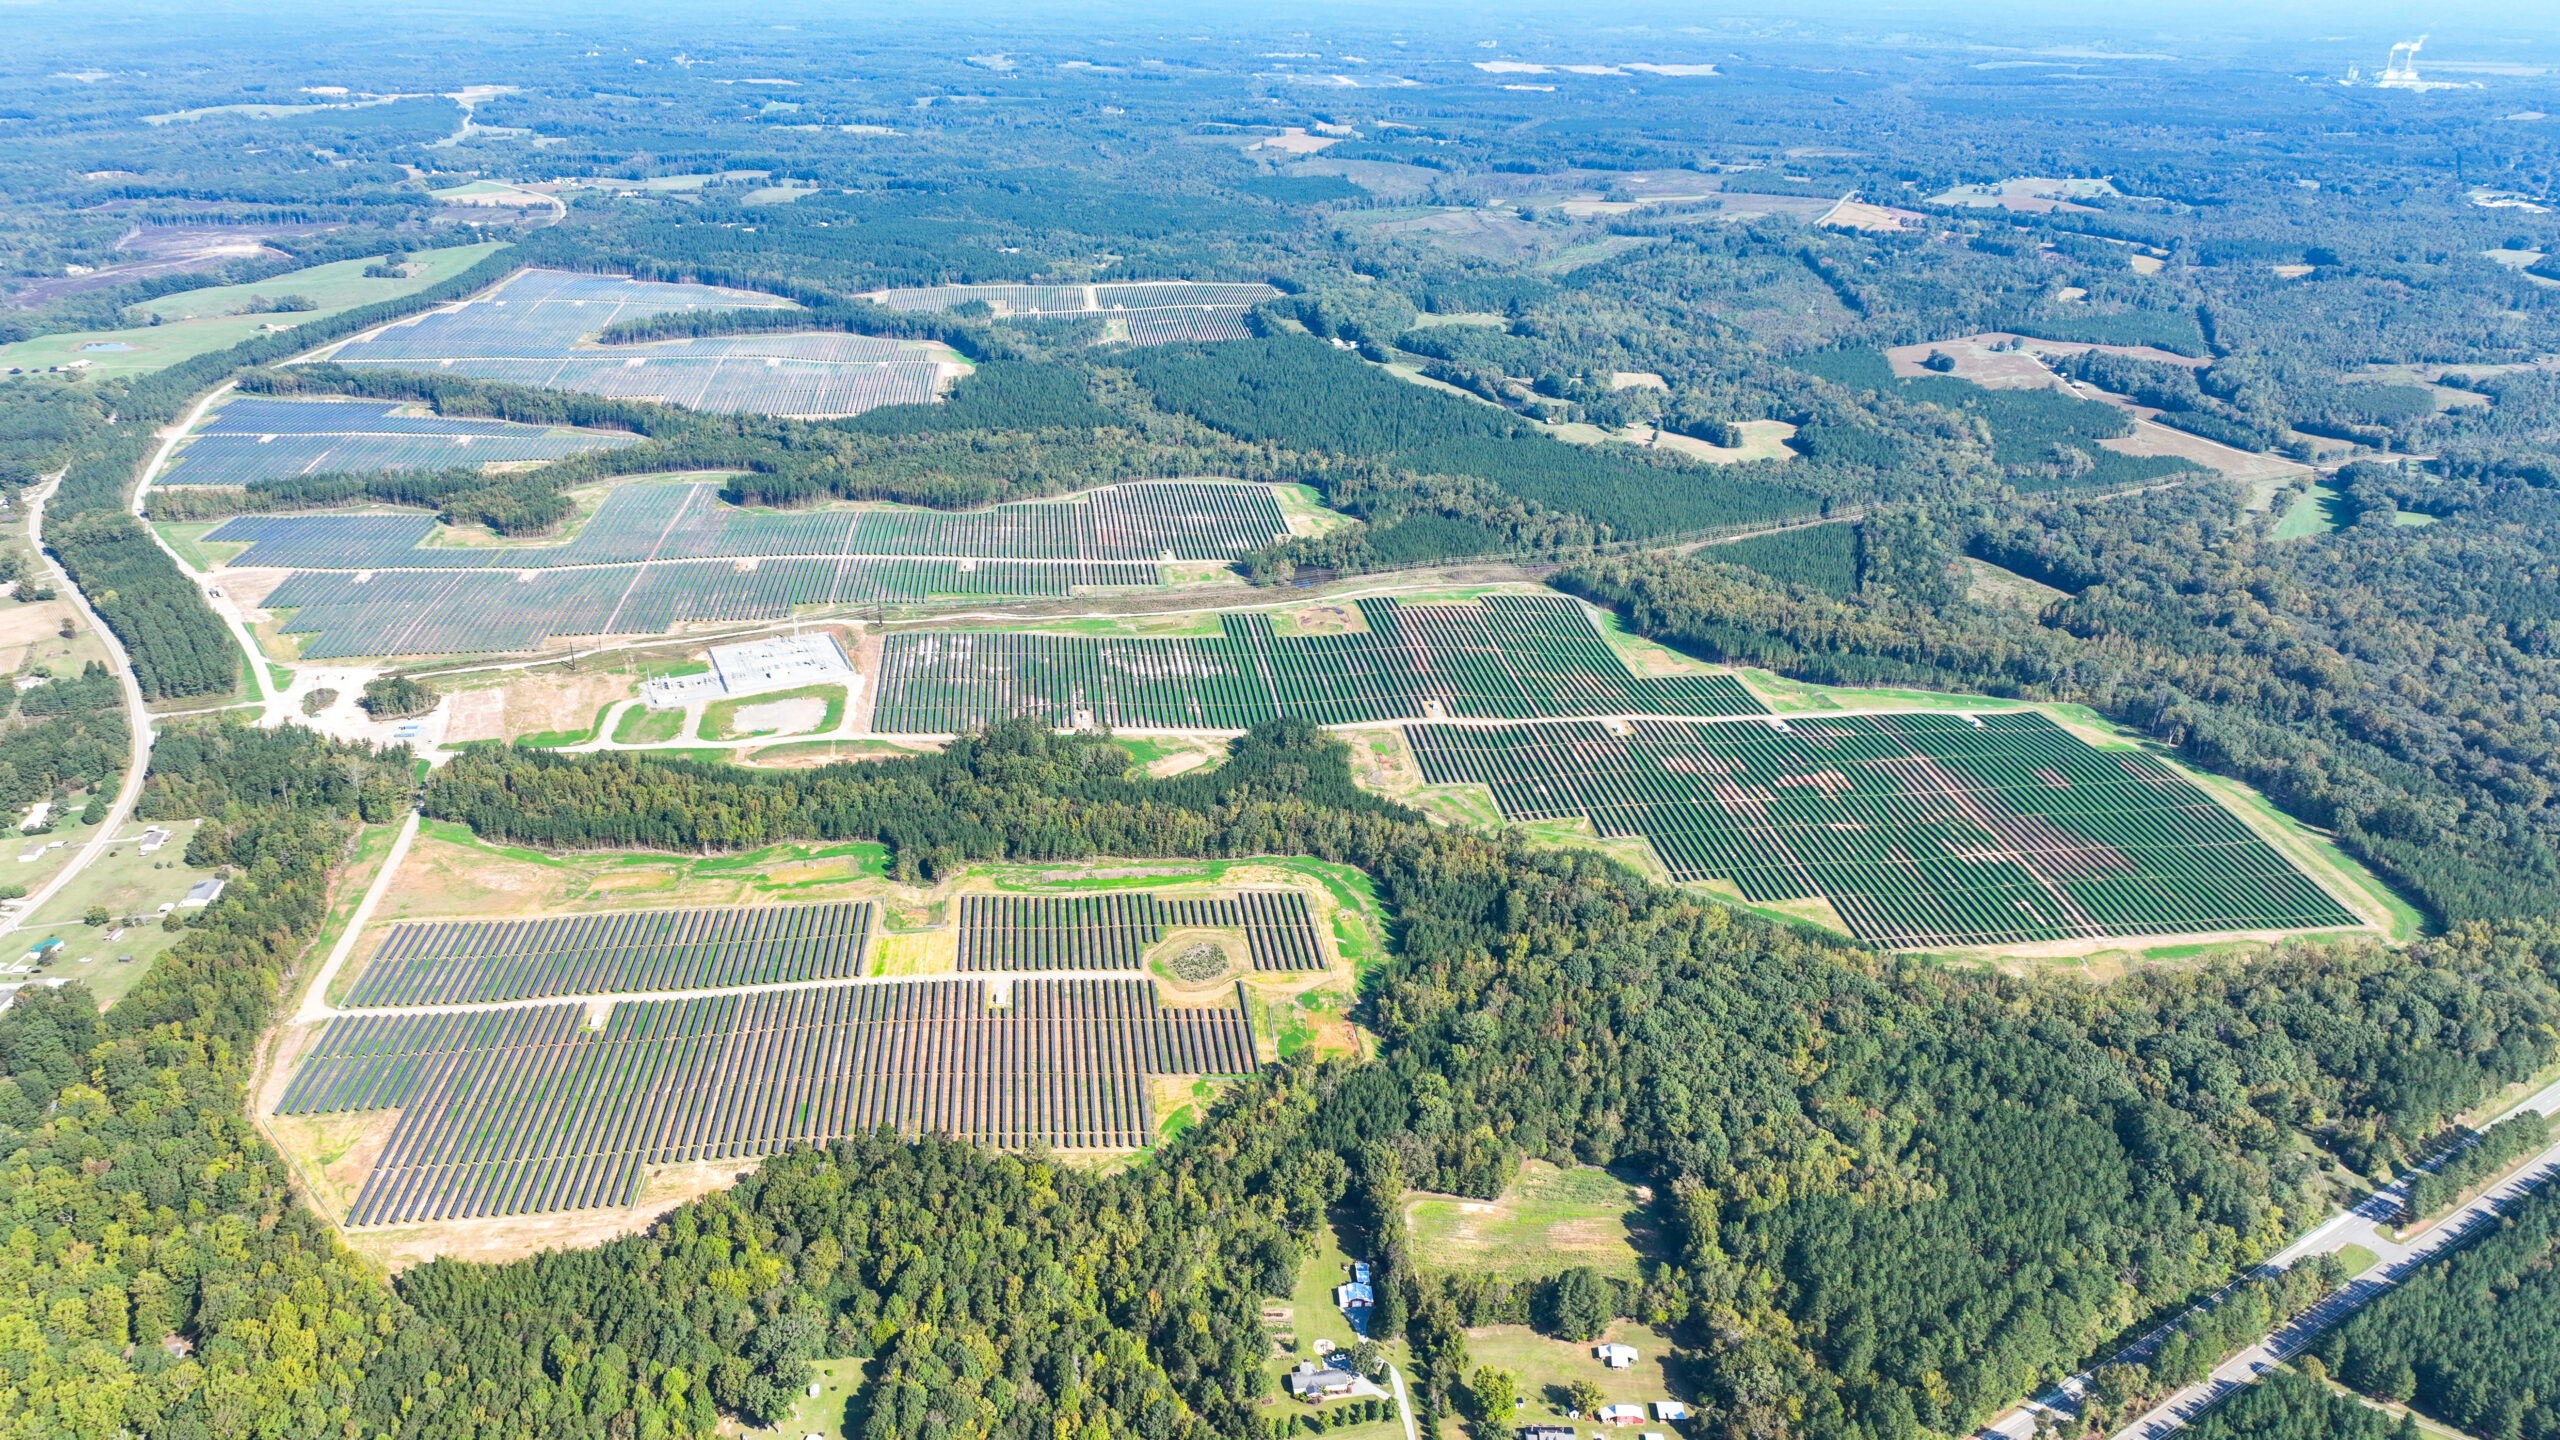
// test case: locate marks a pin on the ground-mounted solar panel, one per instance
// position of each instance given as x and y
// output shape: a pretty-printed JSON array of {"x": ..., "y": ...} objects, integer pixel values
[
  {"x": 528, "y": 1108},
  {"x": 1921, "y": 830}
]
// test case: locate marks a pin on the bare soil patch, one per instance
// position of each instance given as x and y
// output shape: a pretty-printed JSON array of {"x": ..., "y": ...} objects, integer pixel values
[
  {"x": 250, "y": 588},
  {"x": 514, "y": 1238},
  {"x": 532, "y": 703},
  {"x": 335, "y": 1152},
  {"x": 780, "y": 717},
  {"x": 443, "y": 878},
  {"x": 2152, "y": 438},
  {"x": 1328, "y": 620},
  {"x": 24, "y": 624}
]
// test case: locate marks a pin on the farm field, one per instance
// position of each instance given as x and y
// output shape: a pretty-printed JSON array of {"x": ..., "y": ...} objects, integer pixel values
[
  {"x": 1916, "y": 830},
  {"x": 1501, "y": 657},
  {"x": 529, "y": 1109},
  {"x": 253, "y": 438},
  {"x": 538, "y": 326},
  {"x": 654, "y": 557},
  {"x": 197, "y": 321},
  {"x": 1546, "y": 1221}
]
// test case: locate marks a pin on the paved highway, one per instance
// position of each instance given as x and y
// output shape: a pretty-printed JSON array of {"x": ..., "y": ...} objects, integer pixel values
[{"x": 2369, "y": 1225}]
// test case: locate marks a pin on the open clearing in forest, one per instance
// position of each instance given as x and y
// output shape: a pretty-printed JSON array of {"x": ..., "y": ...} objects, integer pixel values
[
  {"x": 1548, "y": 1367},
  {"x": 1546, "y": 1221}
]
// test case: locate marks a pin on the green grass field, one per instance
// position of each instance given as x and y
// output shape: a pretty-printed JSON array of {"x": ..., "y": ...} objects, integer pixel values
[
  {"x": 830, "y": 750},
  {"x": 836, "y": 1411},
  {"x": 194, "y": 322},
  {"x": 644, "y": 726},
  {"x": 554, "y": 739},
  {"x": 1549, "y": 1220},
  {"x": 126, "y": 882},
  {"x": 187, "y": 538},
  {"x": 1547, "y": 1367},
  {"x": 720, "y": 721},
  {"x": 2313, "y": 514}
]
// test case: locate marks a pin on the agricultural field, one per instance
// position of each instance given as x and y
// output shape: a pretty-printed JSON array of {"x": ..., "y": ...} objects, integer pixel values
[
  {"x": 537, "y": 329},
  {"x": 530, "y": 1108},
  {"x": 1500, "y": 657},
  {"x": 1164, "y": 312},
  {"x": 1912, "y": 831},
  {"x": 1113, "y": 931},
  {"x": 654, "y": 557},
  {"x": 458, "y": 962},
  {"x": 197, "y": 321},
  {"x": 252, "y": 438}
]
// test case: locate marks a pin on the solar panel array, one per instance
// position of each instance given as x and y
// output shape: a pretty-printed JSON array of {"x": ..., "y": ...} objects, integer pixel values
[
  {"x": 1921, "y": 830},
  {"x": 456, "y": 962},
  {"x": 525, "y": 1109},
  {"x": 479, "y": 612},
  {"x": 535, "y": 331},
  {"x": 255, "y": 438},
  {"x": 657, "y": 556},
  {"x": 1503, "y": 657},
  {"x": 1161, "y": 312},
  {"x": 1167, "y": 520},
  {"x": 1110, "y": 932}
]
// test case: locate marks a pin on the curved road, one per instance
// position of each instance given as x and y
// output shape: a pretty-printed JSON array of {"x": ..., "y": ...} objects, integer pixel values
[{"x": 137, "y": 719}]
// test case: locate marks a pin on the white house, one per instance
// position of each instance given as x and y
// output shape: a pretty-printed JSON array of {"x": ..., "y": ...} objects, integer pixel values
[
  {"x": 1615, "y": 1356},
  {"x": 1621, "y": 1414},
  {"x": 1315, "y": 1384},
  {"x": 1670, "y": 1410}
]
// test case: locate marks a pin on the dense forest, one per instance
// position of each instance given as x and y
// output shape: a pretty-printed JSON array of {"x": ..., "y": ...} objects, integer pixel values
[
  {"x": 148, "y": 1207},
  {"x": 2468, "y": 1339},
  {"x": 1892, "y": 1196}
]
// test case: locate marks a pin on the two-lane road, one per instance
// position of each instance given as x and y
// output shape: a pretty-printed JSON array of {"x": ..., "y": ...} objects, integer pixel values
[
  {"x": 136, "y": 718},
  {"x": 2368, "y": 1225}
]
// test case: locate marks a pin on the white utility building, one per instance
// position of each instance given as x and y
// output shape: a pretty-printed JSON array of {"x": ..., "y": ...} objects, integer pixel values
[{"x": 757, "y": 667}]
